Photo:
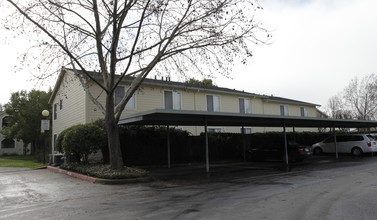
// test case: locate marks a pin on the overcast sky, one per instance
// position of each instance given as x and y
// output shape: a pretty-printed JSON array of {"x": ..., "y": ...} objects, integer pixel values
[{"x": 318, "y": 47}]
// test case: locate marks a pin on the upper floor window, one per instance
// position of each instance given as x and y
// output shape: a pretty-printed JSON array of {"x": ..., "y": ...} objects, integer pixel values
[
  {"x": 4, "y": 121},
  {"x": 172, "y": 100},
  {"x": 284, "y": 110},
  {"x": 213, "y": 103},
  {"x": 55, "y": 111},
  {"x": 61, "y": 104},
  {"x": 120, "y": 91},
  {"x": 304, "y": 112},
  {"x": 244, "y": 105}
]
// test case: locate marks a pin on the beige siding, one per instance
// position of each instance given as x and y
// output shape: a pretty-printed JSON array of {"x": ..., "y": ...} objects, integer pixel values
[
  {"x": 93, "y": 112},
  {"x": 78, "y": 108},
  {"x": 73, "y": 109}
]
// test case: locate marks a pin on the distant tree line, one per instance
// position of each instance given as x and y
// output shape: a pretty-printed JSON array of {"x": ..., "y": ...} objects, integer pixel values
[{"x": 204, "y": 82}]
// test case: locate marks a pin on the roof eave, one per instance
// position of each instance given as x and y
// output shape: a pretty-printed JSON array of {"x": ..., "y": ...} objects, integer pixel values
[{"x": 57, "y": 85}]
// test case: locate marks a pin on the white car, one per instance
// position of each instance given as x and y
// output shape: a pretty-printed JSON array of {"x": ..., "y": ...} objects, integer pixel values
[{"x": 356, "y": 144}]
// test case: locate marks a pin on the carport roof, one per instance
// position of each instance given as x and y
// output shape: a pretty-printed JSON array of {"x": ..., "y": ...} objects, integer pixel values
[{"x": 199, "y": 118}]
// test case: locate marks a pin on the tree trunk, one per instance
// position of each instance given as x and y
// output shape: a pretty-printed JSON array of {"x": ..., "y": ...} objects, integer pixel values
[{"x": 116, "y": 160}]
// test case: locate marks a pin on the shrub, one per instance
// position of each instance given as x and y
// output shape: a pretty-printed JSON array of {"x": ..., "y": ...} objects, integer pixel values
[
  {"x": 81, "y": 140},
  {"x": 59, "y": 140}
]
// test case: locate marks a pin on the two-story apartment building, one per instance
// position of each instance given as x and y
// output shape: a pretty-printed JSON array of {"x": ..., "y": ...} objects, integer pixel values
[
  {"x": 71, "y": 104},
  {"x": 9, "y": 146}
]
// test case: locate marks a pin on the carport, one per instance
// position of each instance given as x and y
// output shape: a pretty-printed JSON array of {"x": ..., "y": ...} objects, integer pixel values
[{"x": 204, "y": 118}]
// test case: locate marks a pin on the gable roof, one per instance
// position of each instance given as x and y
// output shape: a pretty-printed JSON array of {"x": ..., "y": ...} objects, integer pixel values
[{"x": 186, "y": 86}]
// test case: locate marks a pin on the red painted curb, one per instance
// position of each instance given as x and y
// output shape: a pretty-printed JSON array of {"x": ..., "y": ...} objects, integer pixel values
[{"x": 73, "y": 174}]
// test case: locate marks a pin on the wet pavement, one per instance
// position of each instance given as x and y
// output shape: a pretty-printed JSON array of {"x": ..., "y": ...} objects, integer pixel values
[
  {"x": 12, "y": 169},
  {"x": 320, "y": 188}
]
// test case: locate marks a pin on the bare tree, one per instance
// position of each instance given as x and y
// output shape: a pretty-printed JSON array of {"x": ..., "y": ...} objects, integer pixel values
[
  {"x": 361, "y": 97},
  {"x": 134, "y": 37},
  {"x": 337, "y": 108},
  {"x": 1, "y": 107}
]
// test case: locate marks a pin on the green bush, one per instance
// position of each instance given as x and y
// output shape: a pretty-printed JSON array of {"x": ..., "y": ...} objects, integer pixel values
[
  {"x": 59, "y": 141},
  {"x": 81, "y": 140}
]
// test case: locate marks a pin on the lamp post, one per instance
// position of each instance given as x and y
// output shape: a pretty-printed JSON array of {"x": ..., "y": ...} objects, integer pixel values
[{"x": 45, "y": 126}]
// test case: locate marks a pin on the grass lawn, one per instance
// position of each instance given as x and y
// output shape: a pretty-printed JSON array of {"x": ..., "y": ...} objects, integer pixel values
[{"x": 19, "y": 161}]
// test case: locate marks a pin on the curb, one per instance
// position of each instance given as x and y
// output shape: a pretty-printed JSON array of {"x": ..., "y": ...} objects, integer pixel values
[
  {"x": 40, "y": 168},
  {"x": 99, "y": 180}
]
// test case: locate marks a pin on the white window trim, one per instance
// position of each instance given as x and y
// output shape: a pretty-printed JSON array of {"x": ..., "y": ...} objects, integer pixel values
[
  {"x": 213, "y": 107},
  {"x": 239, "y": 110},
  {"x": 215, "y": 130},
  {"x": 132, "y": 98},
  {"x": 286, "y": 110},
  {"x": 251, "y": 130},
  {"x": 177, "y": 92},
  {"x": 126, "y": 87},
  {"x": 306, "y": 113}
]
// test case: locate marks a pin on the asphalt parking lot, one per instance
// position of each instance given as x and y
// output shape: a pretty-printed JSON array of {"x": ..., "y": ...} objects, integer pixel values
[
  {"x": 227, "y": 170},
  {"x": 320, "y": 188}
]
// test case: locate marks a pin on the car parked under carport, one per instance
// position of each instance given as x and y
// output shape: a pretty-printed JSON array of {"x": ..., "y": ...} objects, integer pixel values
[
  {"x": 296, "y": 152},
  {"x": 204, "y": 118}
]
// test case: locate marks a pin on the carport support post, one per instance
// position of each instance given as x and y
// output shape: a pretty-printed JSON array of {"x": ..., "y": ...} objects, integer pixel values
[
  {"x": 207, "y": 152},
  {"x": 243, "y": 143},
  {"x": 335, "y": 143},
  {"x": 285, "y": 145},
  {"x": 168, "y": 142}
]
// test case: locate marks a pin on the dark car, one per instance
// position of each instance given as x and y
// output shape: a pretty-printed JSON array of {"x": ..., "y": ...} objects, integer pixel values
[{"x": 296, "y": 152}]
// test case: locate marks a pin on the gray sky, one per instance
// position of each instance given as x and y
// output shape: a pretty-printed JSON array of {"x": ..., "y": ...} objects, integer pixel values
[{"x": 318, "y": 47}]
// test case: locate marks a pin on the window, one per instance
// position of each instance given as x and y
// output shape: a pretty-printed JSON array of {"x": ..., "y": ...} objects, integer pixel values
[
  {"x": 172, "y": 100},
  {"x": 304, "y": 112},
  {"x": 120, "y": 91},
  {"x": 55, "y": 111},
  {"x": 4, "y": 122},
  {"x": 247, "y": 130},
  {"x": 55, "y": 137},
  {"x": 346, "y": 138},
  {"x": 213, "y": 103},
  {"x": 61, "y": 104},
  {"x": 244, "y": 105},
  {"x": 8, "y": 143},
  {"x": 214, "y": 130},
  {"x": 284, "y": 110},
  {"x": 329, "y": 140}
]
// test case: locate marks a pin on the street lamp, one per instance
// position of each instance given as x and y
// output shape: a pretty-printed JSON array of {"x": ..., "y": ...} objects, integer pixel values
[
  {"x": 45, "y": 113},
  {"x": 45, "y": 126}
]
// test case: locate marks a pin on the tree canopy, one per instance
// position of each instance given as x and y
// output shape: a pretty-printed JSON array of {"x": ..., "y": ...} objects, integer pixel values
[
  {"x": 136, "y": 37},
  {"x": 24, "y": 116},
  {"x": 204, "y": 82}
]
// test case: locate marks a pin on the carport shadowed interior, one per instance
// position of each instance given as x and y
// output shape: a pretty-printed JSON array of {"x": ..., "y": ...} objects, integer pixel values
[{"x": 204, "y": 118}]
